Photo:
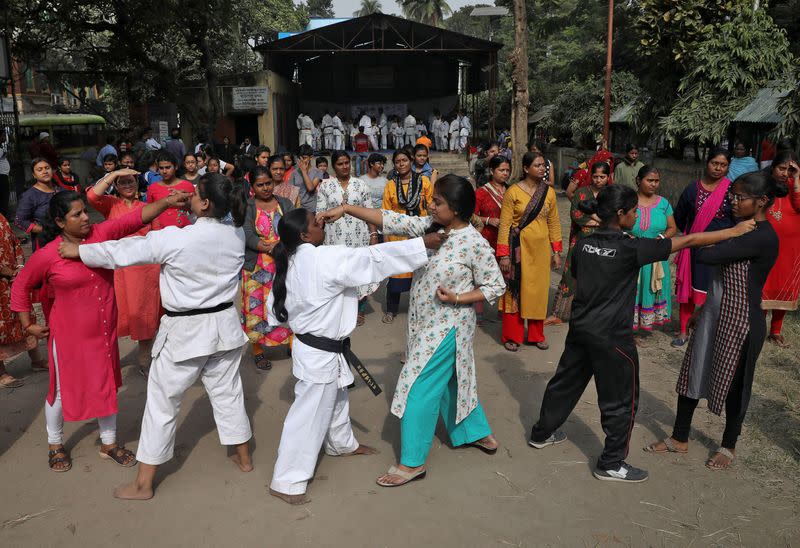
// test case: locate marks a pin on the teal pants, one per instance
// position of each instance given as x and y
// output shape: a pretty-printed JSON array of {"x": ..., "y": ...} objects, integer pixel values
[{"x": 436, "y": 391}]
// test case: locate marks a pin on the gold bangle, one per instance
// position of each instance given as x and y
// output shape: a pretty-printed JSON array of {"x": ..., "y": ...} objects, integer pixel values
[{"x": 457, "y": 295}]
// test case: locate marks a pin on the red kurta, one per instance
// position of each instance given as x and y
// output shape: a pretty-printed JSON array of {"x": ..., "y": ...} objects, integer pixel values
[
  {"x": 487, "y": 204},
  {"x": 782, "y": 289},
  {"x": 136, "y": 287},
  {"x": 173, "y": 216},
  {"x": 83, "y": 322}
]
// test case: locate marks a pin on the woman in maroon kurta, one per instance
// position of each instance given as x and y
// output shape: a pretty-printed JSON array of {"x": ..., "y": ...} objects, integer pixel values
[{"x": 82, "y": 333}]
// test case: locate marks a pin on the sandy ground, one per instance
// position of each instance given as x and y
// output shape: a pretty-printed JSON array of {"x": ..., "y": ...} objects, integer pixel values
[{"x": 518, "y": 497}]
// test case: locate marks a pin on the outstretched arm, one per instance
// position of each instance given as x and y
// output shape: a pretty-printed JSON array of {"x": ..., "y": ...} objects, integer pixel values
[
  {"x": 368, "y": 215},
  {"x": 700, "y": 239}
]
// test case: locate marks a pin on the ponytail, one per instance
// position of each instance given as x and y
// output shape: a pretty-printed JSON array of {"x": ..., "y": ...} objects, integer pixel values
[
  {"x": 292, "y": 225},
  {"x": 609, "y": 200},
  {"x": 762, "y": 183},
  {"x": 225, "y": 196},
  {"x": 60, "y": 205}
]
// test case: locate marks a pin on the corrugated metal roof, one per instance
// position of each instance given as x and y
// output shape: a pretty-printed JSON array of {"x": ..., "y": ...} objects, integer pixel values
[
  {"x": 763, "y": 109},
  {"x": 541, "y": 114},
  {"x": 622, "y": 115}
]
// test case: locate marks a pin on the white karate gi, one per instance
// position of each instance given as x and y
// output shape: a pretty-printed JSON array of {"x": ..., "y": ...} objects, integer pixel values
[
  {"x": 383, "y": 124},
  {"x": 200, "y": 267},
  {"x": 444, "y": 127},
  {"x": 454, "y": 129},
  {"x": 397, "y": 135},
  {"x": 327, "y": 132},
  {"x": 321, "y": 300},
  {"x": 463, "y": 138},
  {"x": 410, "y": 127},
  {"x": 338, "y": 133},
  {"x": 306, "y": 129},
  {"x": 418, "y": 130}
]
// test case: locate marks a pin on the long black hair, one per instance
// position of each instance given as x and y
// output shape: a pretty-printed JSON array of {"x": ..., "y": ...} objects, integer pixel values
[
  {"x": 225, "y": 197},
  {"x": 292, "y": 225},
  {"x": 609, "y": 200},
  {"x": 762, "y": 183},
  {"x": 60, "y": 205},
  {"x": 459, "y": 195}
]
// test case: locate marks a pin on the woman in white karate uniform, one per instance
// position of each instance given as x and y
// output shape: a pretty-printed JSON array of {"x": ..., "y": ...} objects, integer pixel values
[
  {"x": 315, "y": 290},
  {"x": 200, "y": 334}
]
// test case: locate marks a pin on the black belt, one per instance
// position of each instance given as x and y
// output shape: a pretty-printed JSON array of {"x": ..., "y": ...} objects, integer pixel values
[
  {"x": 198, "y": 311},
  {"x": 341, "y": 347}
]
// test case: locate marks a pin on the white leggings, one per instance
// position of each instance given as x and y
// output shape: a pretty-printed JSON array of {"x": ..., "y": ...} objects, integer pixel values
[{"x": 54, "y": 416}]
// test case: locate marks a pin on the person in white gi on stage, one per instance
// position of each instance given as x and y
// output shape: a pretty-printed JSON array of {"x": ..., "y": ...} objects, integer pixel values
[
  {"x": 315, "y": 291},
  {"x": 410, "y": 127},
  {"x": 306, "y": 126},
  {"x": 327, "y": 131},
  {"x": 397, "y": 133},
  {"x": 454, "y": 132},
  {"x": 338, "y": 132},
  {"x": 383, "y": 125},
  {"x": 201, "y": 336}
]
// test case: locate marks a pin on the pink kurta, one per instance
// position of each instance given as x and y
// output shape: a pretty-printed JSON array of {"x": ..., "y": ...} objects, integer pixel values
[
  {"x": 173, "y": 216},
  {"x": 136, "y": 287},
  {"x": 83, "y": 322}
]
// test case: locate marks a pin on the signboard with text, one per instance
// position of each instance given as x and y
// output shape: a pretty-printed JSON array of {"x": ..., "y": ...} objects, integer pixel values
[{"x": 250, "y": 98}]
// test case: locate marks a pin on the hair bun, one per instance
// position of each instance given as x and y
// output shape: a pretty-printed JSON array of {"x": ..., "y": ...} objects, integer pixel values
[{"x": 780, "y": 190}]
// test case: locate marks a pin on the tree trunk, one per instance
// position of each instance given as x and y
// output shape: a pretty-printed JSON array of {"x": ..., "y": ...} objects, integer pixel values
[{"x": 519, "y": 88}]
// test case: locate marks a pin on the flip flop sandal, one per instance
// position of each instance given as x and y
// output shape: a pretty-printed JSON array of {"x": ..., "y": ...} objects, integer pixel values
[
  {"x": 119, "y": 455},
  {"x": 388, "y": 317},
  {"x": 360, "y": 320},
  {"x": 407, "y": 476},
  {"x": 778, "y": 341},
  {"x": 13, "y": 383},
  {"x": 542, "y": 345},
  {"x": 53, "y": 459},
  {"x": 677, "y": 342},
  {"x": 668, "y": 443},
  {"x": 487, "y": 450},
  {"x": 262, "y": 363},
  {"x": 511, "y": 346},
  {"x": 724, "y": 452},
  {"x": 553, "y": 321}
]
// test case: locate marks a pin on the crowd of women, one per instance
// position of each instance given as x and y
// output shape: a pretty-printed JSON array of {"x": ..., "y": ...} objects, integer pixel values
[{"x": 302, "y": 252}]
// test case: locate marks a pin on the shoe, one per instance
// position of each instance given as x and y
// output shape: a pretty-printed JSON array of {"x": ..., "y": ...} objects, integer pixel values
[
  {"x": 555, "y": 438},
  {"x": 677, "y": 342},
  {"x": 625, "y": 473}
]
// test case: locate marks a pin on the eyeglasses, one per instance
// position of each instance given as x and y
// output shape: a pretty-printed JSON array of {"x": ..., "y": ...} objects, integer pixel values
[{"x": 736, "y": 198}]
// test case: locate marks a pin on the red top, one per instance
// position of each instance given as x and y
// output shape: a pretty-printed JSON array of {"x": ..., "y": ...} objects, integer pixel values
[
  {"x": 173, "y": 216},
  {"x": 488, "y": 202},
  {"x": 583, "y": 176},
  {"x": 82, "y": 320},
  {"x": 782, "y": 288},
  {"x": 361, "y": 143}
]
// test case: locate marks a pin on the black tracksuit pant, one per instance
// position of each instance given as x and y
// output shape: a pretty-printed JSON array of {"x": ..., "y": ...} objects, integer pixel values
[{"x": 615, "y": 367}]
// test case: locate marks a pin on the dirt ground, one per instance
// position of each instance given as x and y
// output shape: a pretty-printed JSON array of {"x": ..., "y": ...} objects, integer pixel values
[{"x": 518, "y": 497}]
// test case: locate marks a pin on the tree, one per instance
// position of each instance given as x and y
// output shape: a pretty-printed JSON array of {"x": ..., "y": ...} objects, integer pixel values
[
  {"x": 320, "y": 8},
  {"x": 519, "y": 82},
  {"x": 461, "y": 21},
  {"x": 368, "y": 7},
  {"x": 430, "y": 12}
]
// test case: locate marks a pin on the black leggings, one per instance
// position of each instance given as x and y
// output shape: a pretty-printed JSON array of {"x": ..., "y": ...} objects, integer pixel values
[{"x": 734, "y": 411}]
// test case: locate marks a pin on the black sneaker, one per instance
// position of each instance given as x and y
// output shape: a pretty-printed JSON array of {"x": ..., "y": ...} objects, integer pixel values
[
  {"x": 555, "y": 438},
  {"x": 625, "y": 473}
]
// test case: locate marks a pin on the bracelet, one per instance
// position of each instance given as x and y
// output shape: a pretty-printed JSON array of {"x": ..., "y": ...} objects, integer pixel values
[
  {"x": 371, "y": 234},
  {"x": 457, "y": 299}
]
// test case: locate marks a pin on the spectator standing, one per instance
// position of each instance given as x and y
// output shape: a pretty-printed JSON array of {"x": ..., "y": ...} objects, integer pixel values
[
  {"x": 106, "y": 150},
  {"x": 626, "y": 171},
  {"x": 175, "y": 144}
]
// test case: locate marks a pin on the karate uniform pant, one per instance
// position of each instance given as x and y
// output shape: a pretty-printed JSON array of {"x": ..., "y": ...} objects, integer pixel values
[
  {"x": 384, "y": 138},
  {"x": 454, "y": 141},
  {"x": 54, "y": 416},
  {"x": 615, "y": 367},
  {"x": 338, "y": 142},
  {"x": 167, "y": 383},
  {"x": 320, "y": 415},
  {"x": 435, "y": 392},
  {"x": 305, "y": 137},
  {"x": 411, "y": 138},
  {"x": 373, "y": 141},
  {"x": 329, "y": 141}
]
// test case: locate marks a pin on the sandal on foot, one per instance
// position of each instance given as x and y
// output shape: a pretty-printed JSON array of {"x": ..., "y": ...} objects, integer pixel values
[
  {"x": 144, "y": 372},
  {"x": 541, "y": 345},
  {"x": 40, "y": 365},
  {"x": 485, "y": 449},
  {"x": 554, "y": 320},
  {"x": 54, "y": 459},
  {"x": 725, "y": 453},
  {"x": 677, "y": 342},
  {"x": 778, "y": 340},
  {"x": 360, "y": 319},
  {"x": 405, "y": 476},
  {"x": 262, "y": 363},
  {"x": 11, "y": 382},
  {"x": 120, "y": 455},
  {"x": 388, "y": 317},
  {"x": 511, "y": 346},
  {"x": 669, "y": 445}
]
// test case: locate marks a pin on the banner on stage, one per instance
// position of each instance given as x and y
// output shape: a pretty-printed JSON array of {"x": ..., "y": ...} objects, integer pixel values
[{"x": 390, "y": 109}]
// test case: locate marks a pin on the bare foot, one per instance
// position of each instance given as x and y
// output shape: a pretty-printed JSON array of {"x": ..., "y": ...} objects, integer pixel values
[
  {"x": 294, "y": 500},
  {"x": 394, "y": 479},
  {"x": 244, "y": 464},
  {"x": 362, "y": 450},
  {"x": 132, "y": 491}
]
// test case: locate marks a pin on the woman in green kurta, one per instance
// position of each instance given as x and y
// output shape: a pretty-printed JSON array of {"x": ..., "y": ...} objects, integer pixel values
[{"x": 582, "y": 225}]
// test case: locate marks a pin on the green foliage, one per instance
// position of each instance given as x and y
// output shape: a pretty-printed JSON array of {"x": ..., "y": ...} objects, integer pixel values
[
  {"x": 725, "y": 71},
  {"x": 430, "y": 12},
  {"x": 461, "y": 21},
  {"x": 368, "y": 7}
]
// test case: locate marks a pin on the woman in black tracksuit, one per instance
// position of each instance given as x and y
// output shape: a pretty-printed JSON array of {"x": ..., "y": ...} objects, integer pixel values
[{"x": 600, "y": 340}]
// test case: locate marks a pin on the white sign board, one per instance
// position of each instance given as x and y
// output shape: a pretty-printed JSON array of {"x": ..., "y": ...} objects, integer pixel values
[
  {"x": 250, "y": 98},
  {"x": 163, "y": 130}
]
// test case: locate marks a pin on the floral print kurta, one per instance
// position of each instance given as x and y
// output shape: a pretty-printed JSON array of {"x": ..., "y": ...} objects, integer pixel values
[
  {"x": 463, "y": 263},
  {"x": 348, "y": 230}
]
